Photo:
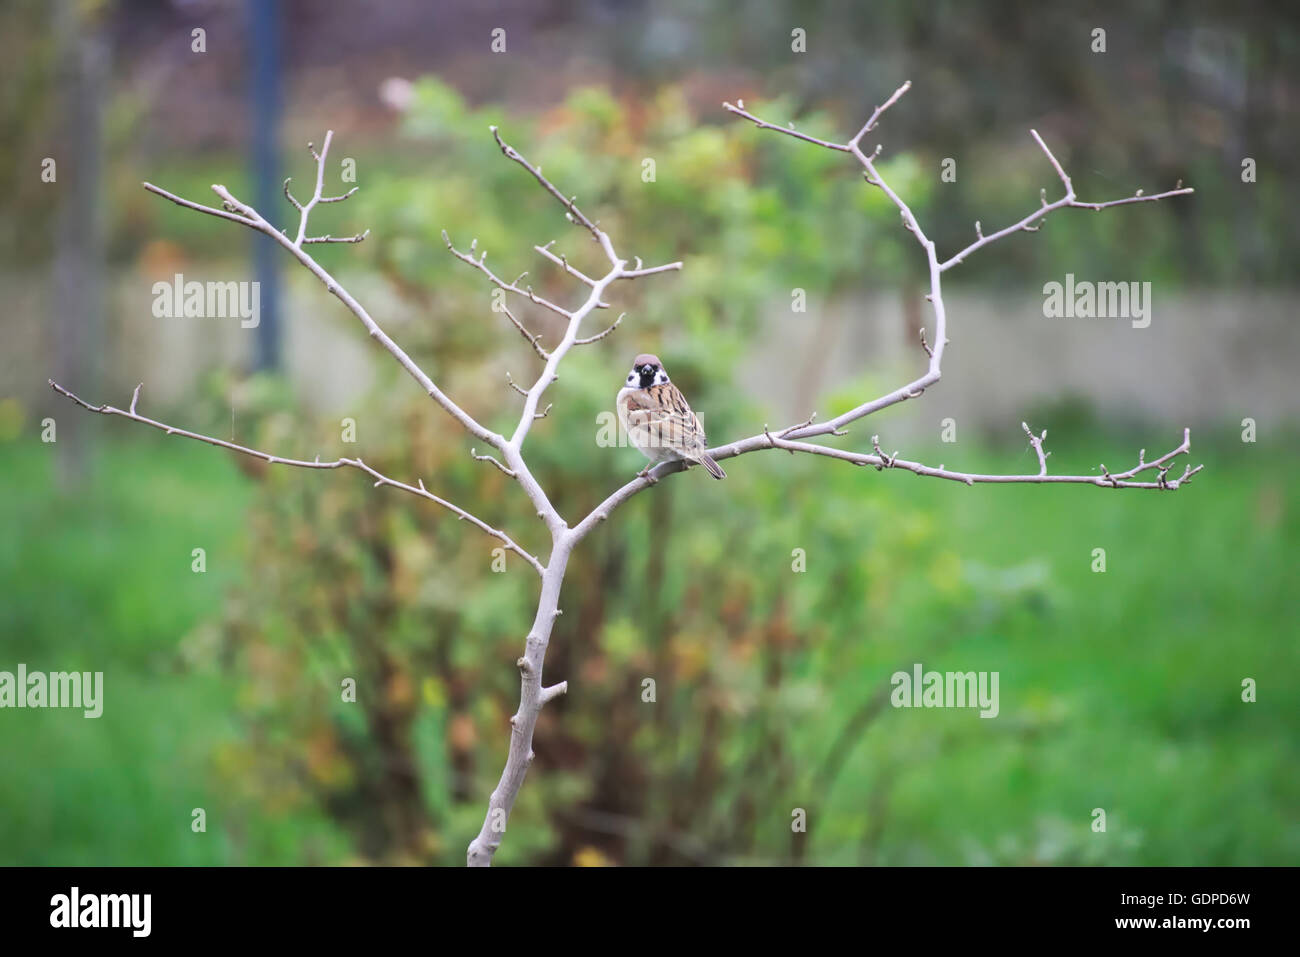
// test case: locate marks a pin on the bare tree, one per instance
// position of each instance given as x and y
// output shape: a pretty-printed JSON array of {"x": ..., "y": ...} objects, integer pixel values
[{"x": 509, "y": 457}]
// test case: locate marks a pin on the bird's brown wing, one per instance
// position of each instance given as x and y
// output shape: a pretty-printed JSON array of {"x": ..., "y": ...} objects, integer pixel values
[{"x": 662, "y": 414}]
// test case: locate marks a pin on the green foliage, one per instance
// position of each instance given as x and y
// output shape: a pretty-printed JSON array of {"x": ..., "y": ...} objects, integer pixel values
[
  {"x": 100, "y": 578},
  {"x": 1119, "y": 690}
]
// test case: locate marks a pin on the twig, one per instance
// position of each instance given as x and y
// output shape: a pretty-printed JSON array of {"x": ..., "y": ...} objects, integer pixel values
[
  {"x": 568, "y": 202},
  {"x": 511, "y": 381},
  {"x": 533, "y": 340},
  {"x": 739, "y": 110},
  {"x": 494, "y": 460},
  {"x": 871, "y": 123},
  {"x": 880, "y": 460},
  {"x": 327, "y": 238},
  {"x": 1068, "y": 200},
  {"x": 601, "y": 335},
  {"x": 1037, "y": 442},
  {"x": 304, "y": 209},
  {"x": 481, "y": 265},
  {"x": 563, "y": 262}
]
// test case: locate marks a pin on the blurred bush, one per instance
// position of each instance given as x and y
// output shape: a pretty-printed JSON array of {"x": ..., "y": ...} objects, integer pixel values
[
  {"x": 768, "y": 682},
  {"x": 349, "y": 582}
]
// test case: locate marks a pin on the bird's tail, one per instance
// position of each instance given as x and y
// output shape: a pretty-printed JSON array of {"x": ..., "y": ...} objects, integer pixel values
[{"x": 714, "y": 468}]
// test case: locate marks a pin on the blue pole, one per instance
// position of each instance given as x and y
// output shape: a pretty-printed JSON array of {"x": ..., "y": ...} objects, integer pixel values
[{"x": 264, "y": 90}]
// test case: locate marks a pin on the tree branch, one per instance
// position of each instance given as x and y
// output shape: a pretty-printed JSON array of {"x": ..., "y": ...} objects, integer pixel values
[
  {"x": 872, "y": 174},
  {"x": 380, "y": 479},
  {"x": 305, "y": 211},
  {"x": 481, "y": 265},
  {"x": 1068, "y": 200},
  {"x": 787, "y": 438},
  {"x": 1105, "y": 480},
  {"x": 236, "y": 211},
  {"x": 600, "y": 335},
  {"x": 533, "y": 340},
  {"x": 532, "y": 695}
]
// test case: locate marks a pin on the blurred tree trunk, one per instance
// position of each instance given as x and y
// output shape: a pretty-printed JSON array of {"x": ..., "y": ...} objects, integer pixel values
[{"x": 83, "y": 59}]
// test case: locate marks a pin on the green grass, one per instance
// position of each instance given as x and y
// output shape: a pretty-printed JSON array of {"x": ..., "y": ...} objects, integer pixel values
[
  {"x": 1119, "y": 690},
  {"x": 100, "y": 579}
]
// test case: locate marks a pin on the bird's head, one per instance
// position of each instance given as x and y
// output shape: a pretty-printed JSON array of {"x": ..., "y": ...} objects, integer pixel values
[{"x": 647, "y": 370}]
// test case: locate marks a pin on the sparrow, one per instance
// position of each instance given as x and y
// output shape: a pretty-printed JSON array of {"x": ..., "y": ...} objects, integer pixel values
[{"x": 659, "y": 420}]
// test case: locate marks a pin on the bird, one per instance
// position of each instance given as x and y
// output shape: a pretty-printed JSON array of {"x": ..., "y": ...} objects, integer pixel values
[{"x": 658, "y": 419}]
